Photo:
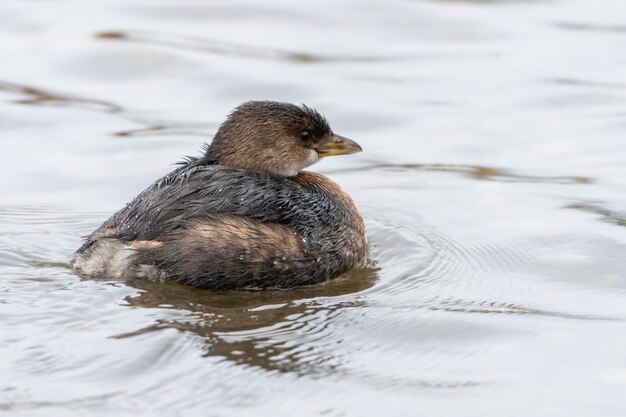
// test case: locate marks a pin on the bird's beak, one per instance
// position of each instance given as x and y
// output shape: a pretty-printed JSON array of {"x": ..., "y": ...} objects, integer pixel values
[{"x": 336, "y": 145}]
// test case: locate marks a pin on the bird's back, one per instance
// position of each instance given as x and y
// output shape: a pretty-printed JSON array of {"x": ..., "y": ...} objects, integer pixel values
[{"x": 213, "y": 227}]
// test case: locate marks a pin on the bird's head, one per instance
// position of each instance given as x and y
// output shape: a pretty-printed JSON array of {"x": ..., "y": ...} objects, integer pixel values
[{"x": 275, "y": 138}]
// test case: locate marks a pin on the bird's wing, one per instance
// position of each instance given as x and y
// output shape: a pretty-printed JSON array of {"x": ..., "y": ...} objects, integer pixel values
[{"x": 209, "y": 191}]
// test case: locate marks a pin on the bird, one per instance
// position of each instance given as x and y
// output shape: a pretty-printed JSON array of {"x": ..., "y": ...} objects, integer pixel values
[{"x": 242, "y": 215}]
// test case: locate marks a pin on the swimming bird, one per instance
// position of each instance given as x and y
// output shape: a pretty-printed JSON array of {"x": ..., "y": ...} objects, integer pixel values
[{"x": 244, "y": 215}]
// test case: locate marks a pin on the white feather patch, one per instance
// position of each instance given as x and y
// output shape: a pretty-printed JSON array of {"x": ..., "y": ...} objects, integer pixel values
[{"x": 294, "y": 169}]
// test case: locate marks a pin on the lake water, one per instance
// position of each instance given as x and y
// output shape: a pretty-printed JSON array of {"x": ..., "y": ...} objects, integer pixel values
[{"x": 493, "y": 184}]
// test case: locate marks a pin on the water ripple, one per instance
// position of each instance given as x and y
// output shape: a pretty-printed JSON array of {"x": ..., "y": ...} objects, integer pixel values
[
  {"x": 476, "y": 172},
  {"x": 42, "y": 97},
  {"x": 593, "y": 27},
  {"x": 605, "y": 214},
  {"x": 220, "y": 47},
  {"x": 273, "y": 330},
  {"x": 28, "y": 405},
  {"x": 37, "y": 96}
]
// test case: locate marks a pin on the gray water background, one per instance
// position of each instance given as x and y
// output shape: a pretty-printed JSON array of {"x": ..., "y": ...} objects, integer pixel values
[{"x": 493, "y": 184}]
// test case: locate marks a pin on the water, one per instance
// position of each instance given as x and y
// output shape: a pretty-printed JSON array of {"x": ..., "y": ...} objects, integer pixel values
[{"x": 492, "y": 183}]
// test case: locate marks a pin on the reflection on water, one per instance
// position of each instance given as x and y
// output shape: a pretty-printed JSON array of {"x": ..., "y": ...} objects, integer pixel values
[
  {"x": 492, "y": 184},
  {"x": 256, "y": 328},
  {"x": 605, "y": 214},
  {"x": 472, "y": 171},
  {"x": 585, "y": 83},
  {"x": 41, "y": 97},
  {"x": 220, "y": 47},
  {"x": 593, "y": 27},
  {"x": 175, "y": 129},
  {"x": 494, "y": 307},
  {"x": 48, "y": 406}
]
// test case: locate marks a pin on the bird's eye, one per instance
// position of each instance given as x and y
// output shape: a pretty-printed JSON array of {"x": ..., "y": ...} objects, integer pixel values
[{"x": 305, "y": 135}]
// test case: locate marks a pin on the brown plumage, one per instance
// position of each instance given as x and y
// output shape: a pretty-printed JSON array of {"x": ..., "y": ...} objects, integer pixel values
[{"x": 244, "y": 215}]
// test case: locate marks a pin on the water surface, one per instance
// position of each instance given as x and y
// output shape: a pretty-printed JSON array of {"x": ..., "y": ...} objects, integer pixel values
[{"x": 493, "y": 185}]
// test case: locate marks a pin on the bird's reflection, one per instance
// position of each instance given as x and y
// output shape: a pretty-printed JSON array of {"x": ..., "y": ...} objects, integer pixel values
[{"x": 285, "y": 331}]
